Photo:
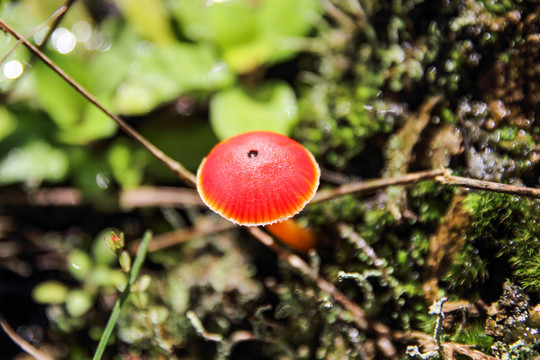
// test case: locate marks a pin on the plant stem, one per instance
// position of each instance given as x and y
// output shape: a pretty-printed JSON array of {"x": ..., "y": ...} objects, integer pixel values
[{"x": 137, "y": 264}]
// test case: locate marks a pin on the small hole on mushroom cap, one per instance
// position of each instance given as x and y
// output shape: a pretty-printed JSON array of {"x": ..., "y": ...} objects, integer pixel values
[{"x": 253, "y": 154}]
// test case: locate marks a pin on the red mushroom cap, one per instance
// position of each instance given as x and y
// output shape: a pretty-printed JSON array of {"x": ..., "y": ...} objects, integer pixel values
[{"x": 258, "y": 178}]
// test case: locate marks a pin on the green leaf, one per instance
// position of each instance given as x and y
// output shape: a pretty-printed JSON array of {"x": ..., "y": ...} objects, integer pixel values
[
  {"x": 271, "y": 106},
  {"x": 50, "y": 292},
  {"x": 79, "y": 264},
  {"x": 33, "y": 162},
  {"x": 226, "y": 24},
  {"x": 127, "y": 163},
  {"x": 187, "y": 144},
  {"x": 165, "y": 72},
  {"x": 249, "y": 34},
  {"x": 8, "y": 122},
  {"x": 78, "y": 121},
  {"x": 149, "y": 17},
  {"x": 78, "y": 302},
  {"x": 63, "y": 103}
]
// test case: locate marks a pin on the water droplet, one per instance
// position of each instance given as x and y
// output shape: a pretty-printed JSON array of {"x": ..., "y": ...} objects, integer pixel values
[
  {"x": 102, "y": 181},
  {"x": 13, "y": 69},
  {"x": 82, "y": 31},
  {"x": 63, "y": 40}
]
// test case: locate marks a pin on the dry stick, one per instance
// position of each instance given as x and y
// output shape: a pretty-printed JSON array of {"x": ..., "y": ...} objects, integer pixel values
[
  {"x": 179, "y": 236},
  {"x": 442, "y": 176},
  {"x": 449, "y": 179},
  {"x": 175, "y": 167},
  {"x": 23, "y": 344},
  {"x": 163, "y": 196},
  {"x": 370, "y": 185}
]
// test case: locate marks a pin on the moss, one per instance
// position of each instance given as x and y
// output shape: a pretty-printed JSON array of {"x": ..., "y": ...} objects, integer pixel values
[{"x": 509, "y": 223}]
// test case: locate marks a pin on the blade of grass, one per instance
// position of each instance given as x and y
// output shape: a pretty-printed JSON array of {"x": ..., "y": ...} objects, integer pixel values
[{"x": 133, "y": 274}]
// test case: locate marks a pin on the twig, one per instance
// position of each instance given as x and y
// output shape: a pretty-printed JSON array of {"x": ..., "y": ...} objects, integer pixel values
[
  {"x": 173, "y": 165},
  {"x": 136, "y": 268},
  {"x": 375, "y": 184},
  {"x": 162, "y": 196},
  {"x": 448, "y": 179},
  {"x": 142, "y": 196},
  {"x": 182, "y": 235},
  {"x": 451, "y": 348},
  {"x": 23, "y": 344},
  {"x": 443, "y": 176}
]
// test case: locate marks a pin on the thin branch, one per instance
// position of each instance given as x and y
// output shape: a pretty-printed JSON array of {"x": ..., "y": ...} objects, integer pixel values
[
  {"x": 334, "y": 12},
  {"x": 23, "y": 344},
  {"x": 173, "y": 165},
  {"x": 180, "y": 236},
  {"x": 443, "y": 176},
  {"x": 142, "y": 196},
  {"x": 448, "y": 179},
  {"x": 163, "y": 196},
  {"x": 375, "y": 184},
  {"x": 300, "y": 265},
  {"x": 451, "y": 348}
]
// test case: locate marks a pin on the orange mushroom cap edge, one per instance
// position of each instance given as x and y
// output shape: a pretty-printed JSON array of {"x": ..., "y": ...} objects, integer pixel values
[{"x": 258, "y": 178}]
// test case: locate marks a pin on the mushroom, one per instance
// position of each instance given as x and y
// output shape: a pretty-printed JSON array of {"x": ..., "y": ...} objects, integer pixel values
[{"x": 258, "y": 178}]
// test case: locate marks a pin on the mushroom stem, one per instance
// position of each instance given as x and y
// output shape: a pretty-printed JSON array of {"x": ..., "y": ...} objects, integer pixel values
[{"x": 290, "y": 233}]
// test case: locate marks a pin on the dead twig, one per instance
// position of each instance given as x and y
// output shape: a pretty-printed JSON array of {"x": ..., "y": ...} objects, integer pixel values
[
  {"x": 179, "y": 236},
  {"x": 23, "y": 344},
  {"x": 452, "y": 348},
  {"x": 448, "y": 179},
  {"x": 161, "y": 196},
  {"x": 443, "y": 176},
  {"x": 375, "y": 184}
]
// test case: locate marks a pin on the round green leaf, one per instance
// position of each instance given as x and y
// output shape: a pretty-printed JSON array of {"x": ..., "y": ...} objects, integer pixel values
[
  {"x": 50, "y": 292},
  {"x": 78, "y": 302},
  {"x": 79, "y": 264}
]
